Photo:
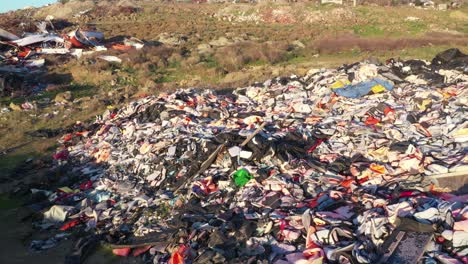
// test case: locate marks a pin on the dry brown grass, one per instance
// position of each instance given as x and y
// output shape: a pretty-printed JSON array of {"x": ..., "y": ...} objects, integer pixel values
[
  {"x": 236, "y": 56},
  {"x": 153, "y": 54},
  {"x": 351, "y": 42}
]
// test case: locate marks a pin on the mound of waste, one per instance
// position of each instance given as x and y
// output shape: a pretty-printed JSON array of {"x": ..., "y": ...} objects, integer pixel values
[
  {"x": 319, "y": 169},
  {"x": 23, "y": 58}
]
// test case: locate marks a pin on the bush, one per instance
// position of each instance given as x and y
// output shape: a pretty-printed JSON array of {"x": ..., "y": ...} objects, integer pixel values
[{"x": 236, "y": 56}]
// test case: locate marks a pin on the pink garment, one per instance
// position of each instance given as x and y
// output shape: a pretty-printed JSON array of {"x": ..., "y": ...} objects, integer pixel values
[
  {"x": 459, "y": 198},
  {"x": 453, "y": 198},
  {"x": 294, "y": 257},
  {"x": 447, "y": 259},
  {"x": 299, "y": 258},
  {"x": 330, "y": 214},
  {"x": 123, "y": 252},
  {"x": 291, "y": 235}
]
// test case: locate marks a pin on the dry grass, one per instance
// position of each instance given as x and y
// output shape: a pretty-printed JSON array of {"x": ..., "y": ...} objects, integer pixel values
[
  {"x": 351, "y": 42},
  {"x": 158, "y": 55},
  {"x": 236, "y": 56}
]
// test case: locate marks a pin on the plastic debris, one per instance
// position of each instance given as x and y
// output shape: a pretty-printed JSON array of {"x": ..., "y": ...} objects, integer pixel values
[{"x": 242, "y": 177}]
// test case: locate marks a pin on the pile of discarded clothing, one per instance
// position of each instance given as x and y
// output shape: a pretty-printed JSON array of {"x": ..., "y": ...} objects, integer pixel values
[
  {"x": 319, "y": 169},
  {"x": 23, "y": 56}
]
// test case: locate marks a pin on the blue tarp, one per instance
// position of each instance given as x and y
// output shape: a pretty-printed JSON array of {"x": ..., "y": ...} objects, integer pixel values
[{"x": 361, "y": 89}]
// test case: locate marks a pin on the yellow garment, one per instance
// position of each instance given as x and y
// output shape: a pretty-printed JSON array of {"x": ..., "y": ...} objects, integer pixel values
[
  {"x": 318, "y": 221},
  {"x": 378, "y": 88},
  {"x": 340, "y": 84},
  {"x": 378, "y": 168},
  {"x": 145, "y": 148},
  {"x": 67, "y": 190},
  {"x": 424, "y": 104},
  {"x": 461, "y": 132},
  {"x": 380, "y": 154}
]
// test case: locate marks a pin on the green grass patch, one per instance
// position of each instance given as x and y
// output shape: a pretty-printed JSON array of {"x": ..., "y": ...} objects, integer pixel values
[
  {"x": 415, "y": 27},
  {"x": 8, "y": 203},
  {"x": 167, "y": 76},
  {"x": 126, "y": 80},
  {"x": 211, "y": 62},
  {"x": 368, "y": 30},
  {"x": 362, "y": 10},
  {"x": 7, "y": 100},
  {"x": 256, "y": 63},
  {"x": 103, "y": 254},
  {"x": 129, "y": 70},
  {"x": 463, "y": 29},
  {"x": 77, "y": 90},
  {"x": 11, "y": 161},
  {"x": 152, "y": 68},
  {"x": 165, "y": 79},
  {"x": 295, "y": 59},
  {"x": 174, "y": 64}
]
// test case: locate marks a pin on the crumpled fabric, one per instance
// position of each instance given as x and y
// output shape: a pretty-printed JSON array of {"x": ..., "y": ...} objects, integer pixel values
[
  {"x": 375, "y": 85},
  {"x": 330, "y": 174},
  {"x": 57, "y": 213}
]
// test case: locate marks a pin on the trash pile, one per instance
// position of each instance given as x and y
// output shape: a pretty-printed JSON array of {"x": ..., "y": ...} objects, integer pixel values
[
  {"x": 319, "y": 169},
  {"x": 22, "y": 57}
]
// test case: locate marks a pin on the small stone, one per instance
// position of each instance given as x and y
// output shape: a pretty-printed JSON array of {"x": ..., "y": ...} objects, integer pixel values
[
  {"x": 298, "y": 44},
  {"x": 442, "y": 7},
  {"x": 64, "y": 97},
  {"x": 172, "y": 39},
  {"x": 222, "y": 41},
  {"x": 204, "y": 48}
]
